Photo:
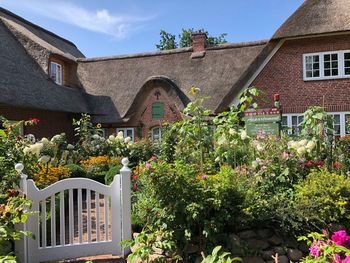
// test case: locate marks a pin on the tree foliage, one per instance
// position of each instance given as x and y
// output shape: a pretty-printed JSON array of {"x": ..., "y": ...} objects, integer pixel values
[{"x": 169, "y": 41}]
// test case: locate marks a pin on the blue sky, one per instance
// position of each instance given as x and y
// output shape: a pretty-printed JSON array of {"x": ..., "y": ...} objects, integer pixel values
[{"x": 112, "y": 27}]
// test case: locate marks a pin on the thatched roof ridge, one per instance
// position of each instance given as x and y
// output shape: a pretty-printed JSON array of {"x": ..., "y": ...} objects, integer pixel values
[
  {"x": 173, "y": 51},
  {"x": 315, "y": 17},
  {"x": 123, "y": 77}
]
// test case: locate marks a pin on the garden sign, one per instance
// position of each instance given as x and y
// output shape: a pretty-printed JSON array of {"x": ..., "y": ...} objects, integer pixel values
[{"x": 263, "y": 121}]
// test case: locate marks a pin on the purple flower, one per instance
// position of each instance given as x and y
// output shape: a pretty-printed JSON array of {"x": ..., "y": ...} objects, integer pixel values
[
  {"x": 340, "y": 238},
  {"x": 203, "y": 177}
]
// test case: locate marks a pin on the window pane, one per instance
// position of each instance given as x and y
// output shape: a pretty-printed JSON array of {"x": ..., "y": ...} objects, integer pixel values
[
  {"x": 327, "y": 72},
  {"x": 347, "y": 55},
  {"x": 316, "y": 73},
  {"x": 327, "y": 65},
  {"x": 308, "y": 59},
  {"x": 347, "y": 71},
  {"x": 335, "y": 64},
  {"x": 347, "y": 63},
  {"x": 347, "y": 123},
  {"x": 327, "y": 57},
  {"x": 309, "y": 74},
  {"x": 316, "y": 58},
  {"x": 316, "y": 66},
  {"x": 334, "y": 72},
  {"x": 308, "y": 66},
  {"x": 334, "y": 56}
]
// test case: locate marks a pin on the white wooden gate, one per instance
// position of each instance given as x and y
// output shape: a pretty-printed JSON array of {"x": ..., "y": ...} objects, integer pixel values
[{"x": 77, "y": 217}]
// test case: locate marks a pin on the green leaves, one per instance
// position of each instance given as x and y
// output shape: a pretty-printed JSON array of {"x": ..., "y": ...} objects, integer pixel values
[{"x": 215, "y": 257}]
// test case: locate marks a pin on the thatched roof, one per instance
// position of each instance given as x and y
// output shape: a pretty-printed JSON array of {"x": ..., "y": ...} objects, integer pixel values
[
  {"x": 317, "y": 17},
  {"x": 123, "y": 78},
  {"x": 23, "y": 83},
  {"x": 26, "y": 30}
]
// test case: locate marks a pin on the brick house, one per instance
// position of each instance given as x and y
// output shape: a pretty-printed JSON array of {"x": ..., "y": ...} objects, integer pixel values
[{"x": 43, "y": 75}]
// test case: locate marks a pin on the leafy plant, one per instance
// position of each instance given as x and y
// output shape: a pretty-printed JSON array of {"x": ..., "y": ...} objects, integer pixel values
[{"x": 215, "y": 257}]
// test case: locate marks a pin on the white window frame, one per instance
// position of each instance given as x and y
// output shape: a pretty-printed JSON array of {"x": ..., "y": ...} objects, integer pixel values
[
  {"x": 160, "y": 134},
  {"x": 125, "y": 132},
  {"x": 59, "y": 76},
  {"x": 342, "y": 115},
  {"x": 341, "y": 65}
]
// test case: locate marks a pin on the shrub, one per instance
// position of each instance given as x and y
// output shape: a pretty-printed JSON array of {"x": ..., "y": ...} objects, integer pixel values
[
  {"x": 322, "y": 198},
  {"x": 48, "y": 175},
  {"x": 109, "y": 176},
  {"x": 76, "y": 170}
]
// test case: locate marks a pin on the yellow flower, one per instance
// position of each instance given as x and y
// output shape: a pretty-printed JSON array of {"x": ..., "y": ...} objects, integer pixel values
[
  {"x": 342, "y": 203},
  {"x": 194, "y": 90},
  {"x": 98, "y": 126}
]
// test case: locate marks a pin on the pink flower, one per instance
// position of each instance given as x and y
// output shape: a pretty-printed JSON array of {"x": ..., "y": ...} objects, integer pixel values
[
  {"x": 337, "y": 259},
  {"x": 203, "y": 177},
  {"x": 285, "y": 155},
  {"x": 148, "y": 165},
  {"x": 314, "y": 249},
  {"x": 340, "y": 238},
  {"x": 347, "y": 259}
]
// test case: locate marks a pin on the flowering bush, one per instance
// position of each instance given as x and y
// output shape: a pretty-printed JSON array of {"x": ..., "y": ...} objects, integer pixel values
[
  {"x": 49, "y": 174},
  {"x": 324, "y": 249}
]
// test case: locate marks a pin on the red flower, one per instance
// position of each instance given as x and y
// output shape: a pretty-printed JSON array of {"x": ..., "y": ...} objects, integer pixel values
[
  {"x": 135, "y": 188},
  {"x": 153, "y": 158},
  {"x": 136, "y": 177},
  {"x": 13, "y": 192},
  {"x": 35, "y": 120},
  {"x": 337, "y": 165}
]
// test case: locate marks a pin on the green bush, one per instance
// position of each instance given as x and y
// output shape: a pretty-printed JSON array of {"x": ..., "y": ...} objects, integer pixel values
[
  {"x": 76, "y": 170},
  {"x": 196, "y": 207},
  {"x": 319, "y": 200},
  {"x": 111, "y": 173}
]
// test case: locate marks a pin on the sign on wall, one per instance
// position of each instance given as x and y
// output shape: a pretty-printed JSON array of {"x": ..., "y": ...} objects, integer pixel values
[{"x": 263, "y": 121}]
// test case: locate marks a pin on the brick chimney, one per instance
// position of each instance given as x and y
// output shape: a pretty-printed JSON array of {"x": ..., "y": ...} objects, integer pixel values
[{"x": 199, "y": 43}]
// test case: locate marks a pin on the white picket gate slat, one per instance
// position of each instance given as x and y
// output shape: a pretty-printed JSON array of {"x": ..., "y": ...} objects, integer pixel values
[{"x": 51, "y": 242}]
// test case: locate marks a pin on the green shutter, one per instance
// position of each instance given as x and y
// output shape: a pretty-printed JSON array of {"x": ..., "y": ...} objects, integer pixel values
[{"x": 158, "y": 110}]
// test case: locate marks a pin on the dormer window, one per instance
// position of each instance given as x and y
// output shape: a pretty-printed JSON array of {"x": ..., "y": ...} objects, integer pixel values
[{"x": 56, "y": 72}]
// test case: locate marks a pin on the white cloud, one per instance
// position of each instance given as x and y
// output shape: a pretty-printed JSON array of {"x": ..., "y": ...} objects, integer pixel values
[{"x": 101, "y": 21}]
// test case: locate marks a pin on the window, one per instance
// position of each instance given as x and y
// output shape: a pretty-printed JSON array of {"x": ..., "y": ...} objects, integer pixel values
[
  {"x": 326, "y": 65},
  {"x": 156, "y": 134},
  {"x": 158, "y": 110},
  {"x": 336, "y": 125},
  {"x": 312, "y": 66},
  {"x": 341, "y": 123},
  {"x": 127, "y": 132},
  {"x": 56, "y": 72}
]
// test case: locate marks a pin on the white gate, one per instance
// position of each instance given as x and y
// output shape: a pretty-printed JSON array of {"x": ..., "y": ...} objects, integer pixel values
[{"x": 77, "y": 217}]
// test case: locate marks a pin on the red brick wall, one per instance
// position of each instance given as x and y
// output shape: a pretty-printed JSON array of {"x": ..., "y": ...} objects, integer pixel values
[
  {"x": 142, "y": 121},
  {"x": 51, "y": 123},
  {"x": 284, "y": 75}
]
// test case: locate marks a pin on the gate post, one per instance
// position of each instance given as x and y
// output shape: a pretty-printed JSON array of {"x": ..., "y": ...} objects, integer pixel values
[
  {"x": 125, "y": 173},
  {"x": 21, "y": 247}
]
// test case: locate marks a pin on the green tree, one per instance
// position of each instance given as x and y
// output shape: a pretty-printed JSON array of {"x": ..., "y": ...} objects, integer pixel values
[{"x": 168, "y": 41}]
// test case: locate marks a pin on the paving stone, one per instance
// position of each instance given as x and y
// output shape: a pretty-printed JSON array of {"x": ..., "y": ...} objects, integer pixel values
[
  {"x": 267, "y": 255},
  {"x": 257, "y": 244},
  {"x": 294, "y": 254},
  {"x": 275, "y": 240},
  {"x": 253, "y": 259},
  {"x": 265, "y": 233},
  {"x": 279, "y": 250},
  {"x": 248, "y": 234}
]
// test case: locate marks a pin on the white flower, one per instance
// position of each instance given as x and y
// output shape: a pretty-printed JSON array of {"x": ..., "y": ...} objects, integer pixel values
[
  {"x": 303, "y": 142},
  {"x": 56, "y": 137},
  {"x": 259, "y": 147},
  {"x": 217, "y": 159},
  {"x": 310, "y": 146},
  {"x": 95, "y": 137},
  {"x": 111, "y": 138},
  {"x": 36, "y": 148},
  {"x": 70, "y": 147},
  {"x": 244, "y": 135},
  {"x": 26, "y": 150},
  {"x": 127, "y": 139},
  {"x": 44, "y": 159},
  {"x": 255, "y": 164},
  {"x": 301, "y": 150},
  {"x": 120, "y": 136},
  {"x": 222, "y": 140},
  {"x": 44, "y": 140},
  {"x": 232, "y": 131}
]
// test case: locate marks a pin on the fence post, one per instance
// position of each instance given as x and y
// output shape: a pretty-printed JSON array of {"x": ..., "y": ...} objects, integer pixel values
[
  {"x": 21, "y": 245},
  {"x": 125, "y": 173}
]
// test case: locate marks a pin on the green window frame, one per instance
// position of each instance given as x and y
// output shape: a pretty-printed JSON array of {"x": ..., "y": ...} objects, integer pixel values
[{"x": 158, "y": 110}]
